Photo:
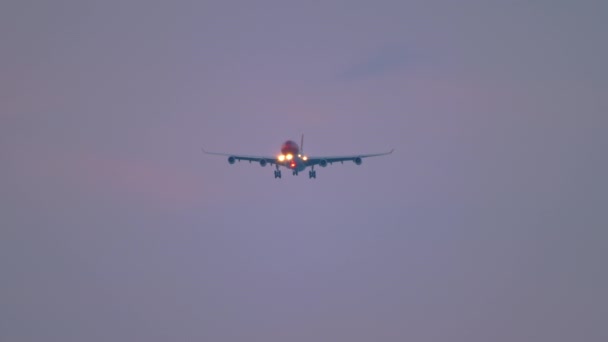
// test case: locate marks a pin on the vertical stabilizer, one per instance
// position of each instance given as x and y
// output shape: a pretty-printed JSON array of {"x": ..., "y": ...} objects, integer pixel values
[{"x": 302, "y": 144}]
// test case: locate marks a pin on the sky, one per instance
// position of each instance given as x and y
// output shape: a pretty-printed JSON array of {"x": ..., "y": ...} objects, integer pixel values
[{"x": 487, "y": 223}]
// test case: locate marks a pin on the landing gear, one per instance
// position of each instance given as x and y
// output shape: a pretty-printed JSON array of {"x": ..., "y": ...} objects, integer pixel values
[
  {"x": 295, "y": 173},
  {"x": 312, "y": 174},
  {"x": 277, "y": 172}
]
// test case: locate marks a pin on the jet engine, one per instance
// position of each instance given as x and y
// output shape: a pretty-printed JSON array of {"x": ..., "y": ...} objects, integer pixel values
[
  {"x": 358, "y": 161},
  {"x": 323, "y": 163},
  {"x": 231, "y": 160},
  {"x": 263, "y": 162}
]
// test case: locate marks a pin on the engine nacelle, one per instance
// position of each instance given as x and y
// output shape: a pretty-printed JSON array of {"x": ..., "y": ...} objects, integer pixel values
[
  {"x": 358, "y": 160},
  {"x": 323, "y": 163},
  {"x": 263, "y": 162},
  {"x": 231, "y": 160}
]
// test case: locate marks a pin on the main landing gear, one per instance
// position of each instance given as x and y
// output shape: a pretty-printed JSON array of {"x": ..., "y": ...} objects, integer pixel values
[
  {"x": 277, "y": 173},
  {"x": 312, "y": 174}
]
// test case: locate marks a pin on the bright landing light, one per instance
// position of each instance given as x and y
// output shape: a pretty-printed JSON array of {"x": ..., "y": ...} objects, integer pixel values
[
  {"x": 281, "y": 157},
  {"x": 305, "y": 158},
  {"x": 289, "y": 157}
]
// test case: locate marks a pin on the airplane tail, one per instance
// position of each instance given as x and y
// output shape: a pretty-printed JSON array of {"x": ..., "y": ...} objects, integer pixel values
[{"x": 302, "y": 144}]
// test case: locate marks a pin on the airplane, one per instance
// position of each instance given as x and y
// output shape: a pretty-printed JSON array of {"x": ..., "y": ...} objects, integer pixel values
[{"x": 293, "y": 158}]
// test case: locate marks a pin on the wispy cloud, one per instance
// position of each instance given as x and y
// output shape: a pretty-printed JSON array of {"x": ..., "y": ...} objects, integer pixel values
[
  {"x": 383, "y": 61},
  {"x": 109, "y": 178}
]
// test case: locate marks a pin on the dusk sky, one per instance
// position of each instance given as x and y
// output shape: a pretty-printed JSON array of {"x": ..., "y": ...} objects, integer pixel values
[{"x": 488, "y": 222}]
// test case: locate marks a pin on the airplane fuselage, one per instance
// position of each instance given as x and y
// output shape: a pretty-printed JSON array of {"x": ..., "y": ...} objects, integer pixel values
[{"x": 291, "y": 157}]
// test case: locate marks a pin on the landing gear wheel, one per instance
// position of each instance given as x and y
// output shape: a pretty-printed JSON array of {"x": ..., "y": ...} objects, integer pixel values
[
  {"x": 312, "y": 174},
  {"x": 277, "y": 174}
]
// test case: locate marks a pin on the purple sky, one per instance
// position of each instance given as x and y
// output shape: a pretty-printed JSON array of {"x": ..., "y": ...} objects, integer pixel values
[{"x": 488, "y": 223}]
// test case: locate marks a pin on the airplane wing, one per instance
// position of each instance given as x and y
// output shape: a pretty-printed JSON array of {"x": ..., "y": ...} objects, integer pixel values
[
  {"x": 323, "y": 161},
  {"x": 235, "y": 157}
]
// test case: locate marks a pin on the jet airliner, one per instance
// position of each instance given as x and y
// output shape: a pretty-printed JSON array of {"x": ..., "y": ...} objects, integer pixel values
[{"x": 293, "y": 158}]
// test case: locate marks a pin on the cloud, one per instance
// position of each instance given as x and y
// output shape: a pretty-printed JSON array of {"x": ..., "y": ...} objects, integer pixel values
[
  {"x": 384, "y": 61},
  {"x": 57, "y": 176}
]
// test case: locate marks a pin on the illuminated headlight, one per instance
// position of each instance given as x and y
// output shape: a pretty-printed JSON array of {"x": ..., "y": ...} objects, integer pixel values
[
  {"x": 281, "y": 158},
  {"x": 289, "y": 157},
  {"x": 305, "y": 158}
]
